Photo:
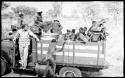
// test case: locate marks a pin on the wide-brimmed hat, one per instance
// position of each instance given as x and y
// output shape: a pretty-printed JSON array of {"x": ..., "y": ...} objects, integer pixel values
[
  {"x": 21, "y": 14},
  {"x": 39, "y": 10}
]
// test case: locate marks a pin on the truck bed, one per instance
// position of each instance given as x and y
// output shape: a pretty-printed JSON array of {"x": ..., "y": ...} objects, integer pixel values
[{"x": 78, "y": 54}]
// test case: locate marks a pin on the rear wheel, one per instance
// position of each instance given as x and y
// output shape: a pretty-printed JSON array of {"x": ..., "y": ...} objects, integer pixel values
[
  {"x": 3, "y": 67},
  {"x": 70, "y": 72}
]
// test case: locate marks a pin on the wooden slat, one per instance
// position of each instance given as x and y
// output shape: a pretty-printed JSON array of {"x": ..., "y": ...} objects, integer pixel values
[
  {"x": 76, "y": 50},
  {"x": 89, "y": 43},
  {"x": 86, "y": 51},
  {"x": 76, "y": 54},
  {"x": 98, "y": 54},
  {"x": 80, "y": 60},
  {"x": 78, "y": 43}
]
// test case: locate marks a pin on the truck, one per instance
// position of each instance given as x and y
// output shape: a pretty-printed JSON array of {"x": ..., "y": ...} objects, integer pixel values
[{"x": 72, "y": 58}]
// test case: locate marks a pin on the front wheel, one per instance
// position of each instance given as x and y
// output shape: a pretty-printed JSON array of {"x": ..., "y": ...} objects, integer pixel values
[
  {"x": 3, "y": 67},
  {"x": 69, "y": 72}
]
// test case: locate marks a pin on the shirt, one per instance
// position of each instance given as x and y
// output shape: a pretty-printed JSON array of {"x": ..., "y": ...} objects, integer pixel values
[
  {"x": 56, "y": 27},
  {"x": 24, "y": 36},
  {"x": 38, "y": 19}
]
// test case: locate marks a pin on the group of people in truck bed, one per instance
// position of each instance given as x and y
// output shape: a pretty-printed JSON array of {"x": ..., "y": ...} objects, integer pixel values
[{"x": 94, "y": 34}]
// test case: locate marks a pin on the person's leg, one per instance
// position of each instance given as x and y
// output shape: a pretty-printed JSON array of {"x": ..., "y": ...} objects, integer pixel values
[
  {"x": 34, "y": 54},
  {"x": 52, "y": 47},
  {"x": 21, "y": 49},
  {"x": 52, "y": 64},
  {"x": 25, "y": 55}
]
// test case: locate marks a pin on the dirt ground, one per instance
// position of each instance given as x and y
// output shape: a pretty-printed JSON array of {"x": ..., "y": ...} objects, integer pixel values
[{"x": 112, "y": 71}]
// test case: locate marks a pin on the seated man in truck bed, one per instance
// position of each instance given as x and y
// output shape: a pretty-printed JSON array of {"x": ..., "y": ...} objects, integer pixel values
[
  {"x": 81, "y": 35},
  {"x": 96, "y": 31}
]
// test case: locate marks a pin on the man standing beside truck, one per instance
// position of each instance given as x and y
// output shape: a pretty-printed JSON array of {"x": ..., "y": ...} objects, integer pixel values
[
  {"x": 24, "y": 42},
  {"x": 55, "y": 31}
]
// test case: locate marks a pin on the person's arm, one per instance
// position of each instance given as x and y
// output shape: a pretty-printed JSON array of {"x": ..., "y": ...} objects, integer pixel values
[
  {"x": 17, "y": 35},
  {"x": 82, "y": 37},
  {"x": 33, "y": 35},
  {"x": 35, "y": 19}
]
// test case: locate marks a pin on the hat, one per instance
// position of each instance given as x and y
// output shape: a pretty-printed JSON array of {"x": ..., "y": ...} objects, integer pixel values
[
  {"x": 85, "y": 27},
  {"x": 13, "y": 27},
  {"x": 39, "y": 10},
  {"x": 56, "y": 20},
  {"x": 25, "y": 25},
  {"x": 68, "y": 30},
  {"x": 21, "y": 14},
  {"x": 81, "y": 28},
  {"x": 93, "y": 21}
]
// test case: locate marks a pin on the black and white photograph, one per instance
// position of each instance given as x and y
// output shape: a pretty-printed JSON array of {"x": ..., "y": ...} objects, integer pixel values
[{"x": 62, "y": 39}]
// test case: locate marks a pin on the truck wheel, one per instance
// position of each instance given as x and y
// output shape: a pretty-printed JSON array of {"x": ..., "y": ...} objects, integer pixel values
[
  {"x": 69, "y": 72},
  {"x": 3, "y": 67}
]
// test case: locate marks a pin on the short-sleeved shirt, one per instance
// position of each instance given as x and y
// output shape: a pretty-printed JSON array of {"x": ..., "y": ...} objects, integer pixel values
[{"x": 24, "y": 36}]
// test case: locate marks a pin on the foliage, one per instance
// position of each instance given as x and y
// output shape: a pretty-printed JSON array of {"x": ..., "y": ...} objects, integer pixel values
[
  {"x": 90, "y": 11},
  {"x": 57, "y": 7},
  {"x": 115, "y": 9},
  {"x": 56, "y": 10},
  {"x": 5, "y": 5},
  {"x": 50, "y": 13},
  {"x": 24, "y": 9}
]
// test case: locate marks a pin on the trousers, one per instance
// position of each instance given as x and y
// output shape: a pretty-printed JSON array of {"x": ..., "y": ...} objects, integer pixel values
[{"x": 23, "y": 48}]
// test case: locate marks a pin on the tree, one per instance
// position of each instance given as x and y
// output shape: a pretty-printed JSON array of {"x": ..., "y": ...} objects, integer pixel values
[
  {"x": 24, "y": 9},
  {"x": 114, "y": 7},
  {"x": 57, "y": 7},
  {"x": 89, "y": 11},
  {"x": 5, "y": 5},
  {"x": 50, "y": 13},
  {"x": 115, "y": 10},
  {"x": 55, "y": 11}
]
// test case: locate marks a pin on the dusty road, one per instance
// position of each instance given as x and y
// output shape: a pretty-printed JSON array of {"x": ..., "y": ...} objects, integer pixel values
[{"x": 112, "y": 71}]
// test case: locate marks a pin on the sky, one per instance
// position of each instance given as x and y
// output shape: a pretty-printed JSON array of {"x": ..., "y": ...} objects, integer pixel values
[
  {"x": 43, "y": 5},
  {"x": 67, "y": 6}
]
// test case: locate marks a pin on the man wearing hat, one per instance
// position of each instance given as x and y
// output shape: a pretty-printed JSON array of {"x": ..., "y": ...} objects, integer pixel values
[
  {"x": 20, "y": 19},
  {"x": 24, "y": 41},
  {"x": 81, "y": 35},
  {"x": 38, "y": 18},
  {"x": 37, "y": 23}
]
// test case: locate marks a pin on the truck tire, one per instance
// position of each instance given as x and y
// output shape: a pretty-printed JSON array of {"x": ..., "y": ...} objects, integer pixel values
[
  {"x": 3, "y": 67},
  {"x": 69, "y": 72}
]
